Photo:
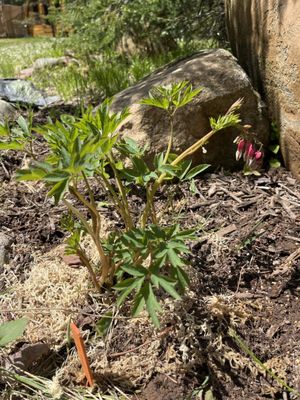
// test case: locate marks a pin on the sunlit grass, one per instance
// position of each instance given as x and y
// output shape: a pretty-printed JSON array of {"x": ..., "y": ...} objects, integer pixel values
[
  {"x": 86, "y": 80},
  {"x": 17, "y": 54}
]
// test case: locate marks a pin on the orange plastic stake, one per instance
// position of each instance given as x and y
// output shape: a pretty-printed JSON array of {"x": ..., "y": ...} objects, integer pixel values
[{"x": 82, "y": 354}]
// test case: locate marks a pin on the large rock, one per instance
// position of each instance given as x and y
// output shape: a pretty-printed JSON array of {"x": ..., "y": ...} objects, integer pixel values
[
  {"x": 24, "y": 92},
  {"x": 265, "y": 36},
  {"x": 224, "y": 82}
]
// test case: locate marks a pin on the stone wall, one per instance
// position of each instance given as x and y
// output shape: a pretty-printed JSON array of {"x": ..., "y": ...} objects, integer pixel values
[{"x": 265, "y": 37}]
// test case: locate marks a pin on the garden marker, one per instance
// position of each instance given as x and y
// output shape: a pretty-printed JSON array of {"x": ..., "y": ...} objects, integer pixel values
[{"x": 82, "y": 354}]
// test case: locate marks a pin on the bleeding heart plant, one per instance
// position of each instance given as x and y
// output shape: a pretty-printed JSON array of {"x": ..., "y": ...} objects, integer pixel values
[{"x": 144, "y": 255}]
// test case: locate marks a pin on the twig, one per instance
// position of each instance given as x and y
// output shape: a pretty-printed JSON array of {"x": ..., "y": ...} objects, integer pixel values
[
  {"x": 289, "y": 190},
  {"x": 282, "y": 269}
]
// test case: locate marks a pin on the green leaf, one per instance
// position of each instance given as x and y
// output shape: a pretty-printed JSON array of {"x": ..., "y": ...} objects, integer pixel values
[
  {"x": 139, "y": 303},
  {"x": 103, "y": 325},
  {"x": 177, "y": 245},
  {"x": 4, "y": 130},
  {"x": 156, "y": 102},
  {"x": 127, "y": 287},
  {"x": 161, "y": 253},
  {"x": 152, "y": 304},
  {"x": 224, "y": 121},
  {"x": 56, "y": 176},
  {"x": 58, "y": 190},
  {"x": 174, "y": 259},
  {"x": 188, "y": 234},
  {"x": 185, "y": 166},
  {"x": 168, "y": 169},
  {"x": 34, "y": 174},
  {"x": 193, "y": 188},
  {"x": 195, "y": 171},
  {"x": 135, "y": 270},
  {"x": 182, "y": 278},
  {"x": 12, "y": 145},
  {"x": 24, "y": 125},
  {"x": 274, "y": 148},
  {"x": 129, "y": 146},
  {"x": 168, "y": 286},
  {"x": 10, "y": 331},
  {"x": 274, "y": 163},
  {"x": 158, "y": 160}
]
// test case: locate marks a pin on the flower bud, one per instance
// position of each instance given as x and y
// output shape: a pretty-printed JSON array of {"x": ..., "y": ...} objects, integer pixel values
[
  {"x": 259, "y": 155},
  {"x": 240, "y": 149},
  {"x": 250, "y": 151}
]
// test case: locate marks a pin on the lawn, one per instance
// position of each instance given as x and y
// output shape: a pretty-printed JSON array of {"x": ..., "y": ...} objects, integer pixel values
[{"x": 17, "y": 54}]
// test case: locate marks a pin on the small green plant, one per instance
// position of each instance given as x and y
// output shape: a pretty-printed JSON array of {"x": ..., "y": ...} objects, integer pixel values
[
  {"x": 274, "y": 147},
  {"x": 19, "y": 137},
  {"x": 143, "y": 257}
]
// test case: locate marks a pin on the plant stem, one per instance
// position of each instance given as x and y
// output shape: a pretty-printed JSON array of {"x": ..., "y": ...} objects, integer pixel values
[
  {"x": 91, "y": 194},
  {"x": 128, "y": 221},
  {"x": 85, "y": 261},
  {"x": 196, "y": 146},
  {"x": 93, "y": 232},
  {"x": 31, "y": 152},
  {"x": 255, "y": 359},
  {"x": 113, "y": 195},
  {"x": 171, "y": 118}
]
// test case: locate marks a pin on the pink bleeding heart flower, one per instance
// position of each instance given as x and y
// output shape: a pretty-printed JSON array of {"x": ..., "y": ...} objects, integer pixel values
[
  {"x": 249, "y": 154},
  {"x": 240, "y": 149},
  {"x": 259, "y": 155},
  {"x": 250, "y": 151}
]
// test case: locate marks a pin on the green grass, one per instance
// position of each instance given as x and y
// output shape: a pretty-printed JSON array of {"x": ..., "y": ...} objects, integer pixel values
[
  {"x": 17, "y": 54},
  {"x": 89, "y": 80}
]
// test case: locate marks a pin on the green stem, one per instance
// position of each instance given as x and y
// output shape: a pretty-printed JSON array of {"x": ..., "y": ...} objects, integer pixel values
[
  {"x": 170, "y": 143},
  {"x": 96, "y": 220},
  {"x": 128, "y": 222},
  {"x": 31, "y": 152},
  {"x": 196, "y": 146},
  {"x": 114, "y": 197},
  {"x": 94, "y": 232},
  {"x": 91, "y": 194},
  {"x": 250, "y": 353},
  {"x": 149, "y": 209},
  {"x": 80, "y": 216},
  {"x": 85, "y": 261}
]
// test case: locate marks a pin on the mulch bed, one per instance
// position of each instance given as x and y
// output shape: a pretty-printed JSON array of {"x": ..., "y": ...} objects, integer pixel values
[{"x": 246, "y": 260}]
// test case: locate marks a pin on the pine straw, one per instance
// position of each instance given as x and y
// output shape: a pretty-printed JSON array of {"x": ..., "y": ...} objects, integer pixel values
[{"x": 51, "y": 287}]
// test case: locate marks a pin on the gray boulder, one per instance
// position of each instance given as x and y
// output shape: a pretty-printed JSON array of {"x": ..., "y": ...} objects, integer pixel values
[
  {"x": 224, "y": 82},
  {"x": 24, "y": 92}
]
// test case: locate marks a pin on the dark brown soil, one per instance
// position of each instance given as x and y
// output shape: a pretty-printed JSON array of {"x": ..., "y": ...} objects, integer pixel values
[{"x": 246, "y": 256}]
